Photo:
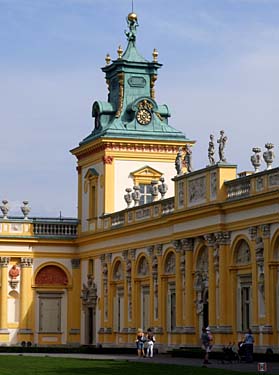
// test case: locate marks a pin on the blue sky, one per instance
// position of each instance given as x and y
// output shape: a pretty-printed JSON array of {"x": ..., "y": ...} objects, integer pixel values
[{"x": 220, "y": 71}]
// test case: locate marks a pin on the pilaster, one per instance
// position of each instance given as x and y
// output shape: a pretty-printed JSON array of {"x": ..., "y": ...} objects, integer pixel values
[
  {"x": 26, "y": 309},
  {"x": 74, "y": 304},
  {"x": 269, "y": 290},
  {"x": 223, "y": 240},
  {"x": 4, "y": 333},
  {"x": 213, "y": 263},
  {"x": 188, "y": 246}
]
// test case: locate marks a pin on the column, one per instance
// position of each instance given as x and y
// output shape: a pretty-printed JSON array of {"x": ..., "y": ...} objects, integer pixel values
[
  {"x": 74, "y": 304},
  {"x": 223, "y": 240},
  {"x": 213, "y": 263},
  {"x": 269, "y": 290},
  {"x": 178, "y": 277},
  {"x": 26, "y": 309},
  {"x": 161, "y": 315},
  {"x": 109, "y": 309},
  {"x": 126, "y": 285},
  {"x": 255, "y": 300},
  {"x": 188, "y": 247},
  {"x": 150, "y": 251},
  {"x": 133, "y": 297},
  {"x": 4, "y": 333}
]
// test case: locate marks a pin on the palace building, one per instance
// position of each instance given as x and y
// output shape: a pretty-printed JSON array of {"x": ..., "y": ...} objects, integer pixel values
[{"x": 155, "y": 244}]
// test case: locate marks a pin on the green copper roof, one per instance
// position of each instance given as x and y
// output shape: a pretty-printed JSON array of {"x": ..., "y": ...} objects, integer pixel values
[{"x": 131, "y": 110}]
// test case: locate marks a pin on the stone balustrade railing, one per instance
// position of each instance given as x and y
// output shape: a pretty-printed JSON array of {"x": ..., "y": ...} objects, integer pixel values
[
  {"x": 55, "y": 228},
  {"x": 253, "y": 184},
  {"x": 137, "y": 214}
]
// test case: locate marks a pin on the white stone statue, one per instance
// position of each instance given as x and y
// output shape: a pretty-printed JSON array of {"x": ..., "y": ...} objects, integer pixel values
[
  {"x": 211, "y": 150},
  {"x": 178, "y": 162},
  {"x": 222, "y": 142},
  {"x": 188, "y": 158}
]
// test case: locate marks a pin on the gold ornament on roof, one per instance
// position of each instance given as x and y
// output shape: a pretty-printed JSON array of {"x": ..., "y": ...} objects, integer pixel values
[
  {"x": 108, "y": 59},
  {"x": 155, "y": 55},
  {"x": 132, "y": 17},
  {"x": 120, "y": 52}
]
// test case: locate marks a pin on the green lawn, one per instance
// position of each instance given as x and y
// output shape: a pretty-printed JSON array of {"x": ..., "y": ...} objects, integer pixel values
[{"x": 66, "y": 366}]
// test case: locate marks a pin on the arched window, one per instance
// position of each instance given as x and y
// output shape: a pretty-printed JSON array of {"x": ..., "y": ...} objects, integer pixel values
[
  {"x": 170, "y": 263},
  {"x": 242, "y": 254},
  {"x": 118, "y": 272},
  {"x": 143, "y": 269}
]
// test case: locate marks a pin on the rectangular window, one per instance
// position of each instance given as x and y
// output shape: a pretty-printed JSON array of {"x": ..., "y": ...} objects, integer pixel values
[
  {"x": 93, "y": 203},
  {"x": 50, "y": 313},
  {"x": 91, "y": 267},
  {"x": 119, "y": 310},
  {"x": 146, "y": 193}
]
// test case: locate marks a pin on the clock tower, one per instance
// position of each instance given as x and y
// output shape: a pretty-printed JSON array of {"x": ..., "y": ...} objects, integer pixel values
[{"x": 131, "y": 135}]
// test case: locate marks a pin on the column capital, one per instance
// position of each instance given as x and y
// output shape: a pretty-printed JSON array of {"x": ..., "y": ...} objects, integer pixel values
[
  {"x": 253, "y": 231},
  {"x": 109, "y": 257},
  {"x": 132, "y": 253},
  {"x": 223, "y": 238},
  {"x": 187, "y": 244},
  {"x": 176, "y": 244},
  {"x": 159, "y": 249},
  {"x": 125, "y": 254},
  {"x": 26, "y": 262},
  {"x": 265, "y": 230},
  {"x": 150, "y": 250},
  {"x": 75, "y": 263},
  {"x": 4, "y": 261},
  {"x": 209, "y": 239}
]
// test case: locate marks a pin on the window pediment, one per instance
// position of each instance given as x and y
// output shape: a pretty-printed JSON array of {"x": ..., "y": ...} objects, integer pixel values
[{"x": 146, "y": 175}]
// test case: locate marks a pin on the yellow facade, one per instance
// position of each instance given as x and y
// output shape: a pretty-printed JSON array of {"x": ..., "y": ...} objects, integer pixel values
[{"x": 203, "y": 252}]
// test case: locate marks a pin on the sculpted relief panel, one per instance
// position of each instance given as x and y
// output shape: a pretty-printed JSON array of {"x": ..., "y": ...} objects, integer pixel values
[{"x": 197, "y": 190}]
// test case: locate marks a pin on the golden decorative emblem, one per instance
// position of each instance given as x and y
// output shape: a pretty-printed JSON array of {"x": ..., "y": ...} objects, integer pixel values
[{"x": 144, "y": 114}]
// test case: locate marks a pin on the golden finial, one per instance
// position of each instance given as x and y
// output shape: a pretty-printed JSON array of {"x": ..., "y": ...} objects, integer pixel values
[
  {"x": 155, "y": 55},
  {"x": 120, "y": 52},
  {"x": 108, "y": 59},
  {"x": 132, "y": 17}
]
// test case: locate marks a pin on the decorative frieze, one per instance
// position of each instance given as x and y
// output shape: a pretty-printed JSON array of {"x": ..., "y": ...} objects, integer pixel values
[{"x": 197, "y": 190}]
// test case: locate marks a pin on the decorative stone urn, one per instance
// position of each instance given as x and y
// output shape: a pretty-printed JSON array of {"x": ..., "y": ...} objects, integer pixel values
[
  {"x": 128, "y": 197},
  {"x": 256, "y": 158},
  {"x": 269, "y": 155},
  {"x": 25, "y": 209},
  {"x": 5, "y": 209}
]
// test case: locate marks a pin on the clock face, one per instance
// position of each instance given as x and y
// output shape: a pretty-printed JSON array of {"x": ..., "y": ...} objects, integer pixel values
[{"x": 143, "y": 116}]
